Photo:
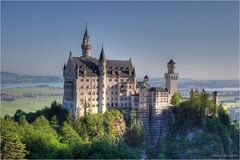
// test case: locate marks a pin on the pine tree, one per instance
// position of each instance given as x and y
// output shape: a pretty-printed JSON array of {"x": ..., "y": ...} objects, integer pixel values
[
  {"x": 54, "y": 122},
  {"x": 11, "y": 146}
]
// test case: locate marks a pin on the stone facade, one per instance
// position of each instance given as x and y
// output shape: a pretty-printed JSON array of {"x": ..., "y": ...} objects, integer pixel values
[{"x": 98, "y": 84}]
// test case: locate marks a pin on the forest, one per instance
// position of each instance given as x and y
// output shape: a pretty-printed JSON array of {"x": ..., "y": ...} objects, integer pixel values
[
  {"x": 51, "y": 133},
  {"x": 193, "y": 134}
]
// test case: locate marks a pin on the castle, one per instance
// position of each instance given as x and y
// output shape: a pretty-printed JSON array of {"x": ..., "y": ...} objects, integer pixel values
[{"x": 98, "y": 84}]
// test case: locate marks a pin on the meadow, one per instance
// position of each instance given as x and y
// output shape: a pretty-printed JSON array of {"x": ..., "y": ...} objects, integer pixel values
[{"x": 30, "y": 99}]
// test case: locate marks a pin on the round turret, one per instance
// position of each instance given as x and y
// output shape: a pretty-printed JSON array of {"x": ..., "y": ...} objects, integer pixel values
[{"x": 171, "y": 66}]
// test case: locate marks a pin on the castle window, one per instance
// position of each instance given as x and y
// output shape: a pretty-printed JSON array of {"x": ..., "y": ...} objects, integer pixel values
[
  {"x": 93, "y": 105},
  {"x": 87, "y": 87},
  {"x": 121, "y": 98},
  {"x": 81, "y": 100},
  {"x": 82, "y": 93},
  {"x": 129, "y": 98},
  {"x": 93, "y": 93},
  {"x": 116, "y": 67},
  {"x": 116, "y": 92},
  {"x": 82, "y": 87},
  {"x": 82, "y": 80},
  {"x": 89, "y": 99},
  {"x": 89, "y": 93},
  {"x": 125, "y": 104},
  {"x": 87, "y": 80},
  {"x": 125, "y": 98},
  {"x": 110, "y": 80},
  {"x": 122, "y": 80},
  {"x": 129, "y": 104},
  {"x": 93, "y": 80},
  {"x": 122, "y": 104}
]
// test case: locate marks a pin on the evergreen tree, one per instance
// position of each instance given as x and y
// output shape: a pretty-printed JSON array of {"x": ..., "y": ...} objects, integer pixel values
[
  {"x": 69, "y": 135},
  {"x": 11, "y": 146},
  {"x": 54, "y": 122},
  {"x": 223, "y": 116}
]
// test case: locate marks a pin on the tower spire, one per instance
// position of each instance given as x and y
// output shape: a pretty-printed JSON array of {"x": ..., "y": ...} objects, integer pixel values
[
  {"x": 85, "y": 33},
  {"x": 86, "y": 44},
  {"x": 102, "y": 55}
]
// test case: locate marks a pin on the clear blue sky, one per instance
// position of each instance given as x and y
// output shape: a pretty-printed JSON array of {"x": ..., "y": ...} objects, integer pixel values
[{"x": 202, "y": 37}]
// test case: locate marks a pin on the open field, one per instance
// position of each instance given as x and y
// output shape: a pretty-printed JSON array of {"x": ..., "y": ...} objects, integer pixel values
[
  {"x": 30, "y": 99},
  {"x": 27, "y": 104},
  {"x": 37, "y": 90}
]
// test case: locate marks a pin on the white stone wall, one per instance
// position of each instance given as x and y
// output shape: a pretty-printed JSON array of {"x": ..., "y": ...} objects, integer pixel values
[
  {"x": 87, "y": 90},
  {"x": 171, "y": 82}
]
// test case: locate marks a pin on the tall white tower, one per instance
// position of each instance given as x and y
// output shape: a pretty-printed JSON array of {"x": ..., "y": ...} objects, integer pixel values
[
  {"x": 102, "y": 83},
  {"x": 171, "y": 78}
]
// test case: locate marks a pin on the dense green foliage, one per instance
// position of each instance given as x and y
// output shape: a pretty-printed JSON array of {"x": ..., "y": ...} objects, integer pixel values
[
  {"x": 195, "y": 134},
  {"x": 176, "y": 99},
  {"x": 135, "y": 133},
  {"x": 51, "y": 133},
  {"x": 11, "y": 146}
]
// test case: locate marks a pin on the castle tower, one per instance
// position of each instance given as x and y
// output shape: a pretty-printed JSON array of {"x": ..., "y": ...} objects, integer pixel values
[
  {"x": 171, "y": 78},
  {"x": 86, "y": 44},
  {"x": 102, "y": 83}
]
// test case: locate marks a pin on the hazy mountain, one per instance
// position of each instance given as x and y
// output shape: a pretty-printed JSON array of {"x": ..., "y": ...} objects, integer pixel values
[
  {"x": 7, "y": 77},
  {"x": 190, "y": 83}
]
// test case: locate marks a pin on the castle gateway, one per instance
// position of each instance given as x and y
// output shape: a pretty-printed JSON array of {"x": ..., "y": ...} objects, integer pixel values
[{"x": 96, "y": 84}]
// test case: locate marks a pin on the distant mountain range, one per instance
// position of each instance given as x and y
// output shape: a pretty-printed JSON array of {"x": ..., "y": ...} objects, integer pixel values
[
  {"x": 200, "y": 84},
  {"x": 7, "y": 77}
]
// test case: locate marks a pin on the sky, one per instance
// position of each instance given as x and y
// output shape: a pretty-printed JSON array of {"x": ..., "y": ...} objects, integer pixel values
[{"x": 201, "y": 37}]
